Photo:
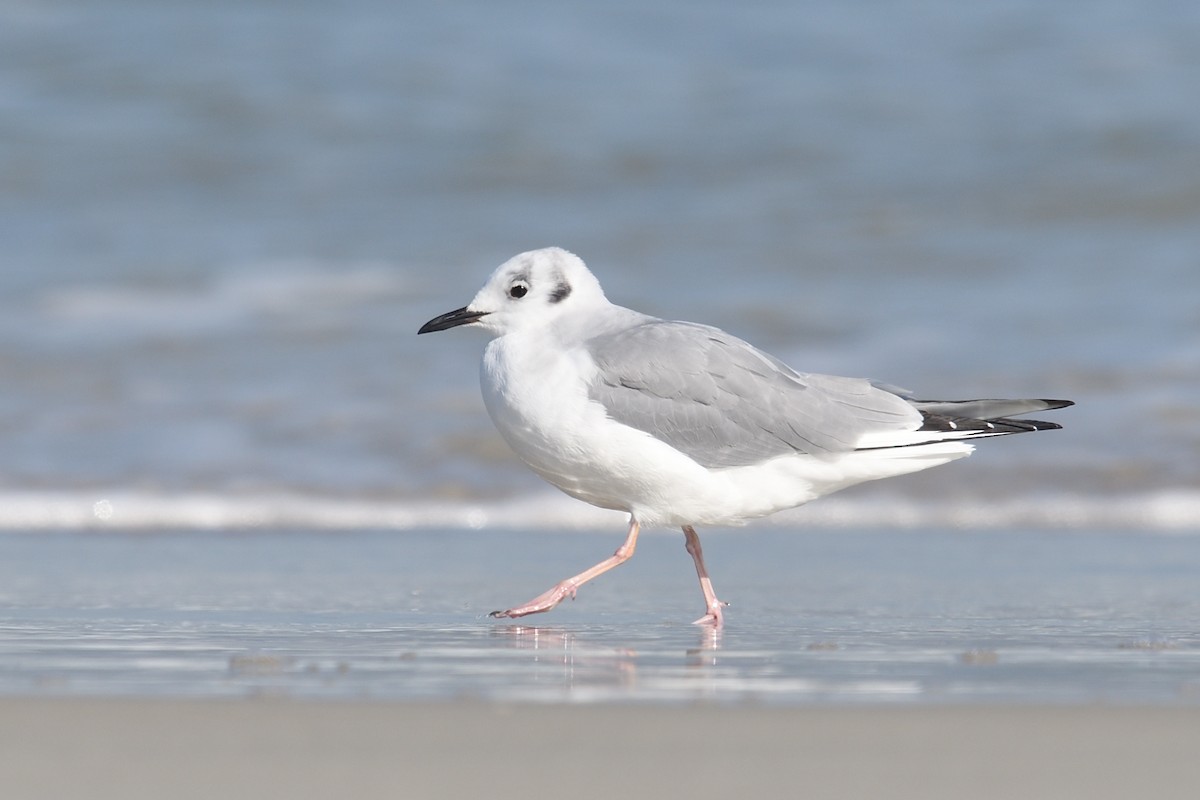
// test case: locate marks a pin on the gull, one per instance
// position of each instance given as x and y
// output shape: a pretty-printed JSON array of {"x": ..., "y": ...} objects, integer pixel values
[{"x": 683, "y": 425}]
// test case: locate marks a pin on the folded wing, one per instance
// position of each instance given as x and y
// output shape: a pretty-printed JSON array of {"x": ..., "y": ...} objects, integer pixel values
[{"x": 724, "y": 403}]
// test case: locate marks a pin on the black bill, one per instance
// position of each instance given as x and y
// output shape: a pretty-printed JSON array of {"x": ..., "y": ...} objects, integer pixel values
[{"x": 451, "y": 319}]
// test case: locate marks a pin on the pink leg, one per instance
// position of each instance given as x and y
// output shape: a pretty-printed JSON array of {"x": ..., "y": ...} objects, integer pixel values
[
  {"x": 555, "y": 595},
  {"x": 714, "y": 616}
]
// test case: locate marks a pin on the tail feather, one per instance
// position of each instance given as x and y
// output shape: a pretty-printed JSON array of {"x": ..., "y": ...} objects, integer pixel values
[
  {"x": 948, "y": 420},
  {"x": 986, "y": 416}
]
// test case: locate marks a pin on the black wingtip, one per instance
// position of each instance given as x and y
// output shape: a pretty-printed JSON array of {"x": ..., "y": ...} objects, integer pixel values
[
  {"x": 998, "y": 425},
  {"x": 1033, "y": 424}
]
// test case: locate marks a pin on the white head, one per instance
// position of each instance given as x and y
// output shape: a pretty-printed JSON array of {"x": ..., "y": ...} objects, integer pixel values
[{"x": 531, "y": 290}]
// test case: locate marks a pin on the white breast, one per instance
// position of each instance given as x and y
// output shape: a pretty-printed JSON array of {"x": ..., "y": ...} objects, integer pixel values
[
  {"x": 537, "y": 398},
  {"x": 538, "y": 401}
]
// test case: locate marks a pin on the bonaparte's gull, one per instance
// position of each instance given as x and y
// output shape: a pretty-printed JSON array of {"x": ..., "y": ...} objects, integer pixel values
[{"x": 683, "y": 424}]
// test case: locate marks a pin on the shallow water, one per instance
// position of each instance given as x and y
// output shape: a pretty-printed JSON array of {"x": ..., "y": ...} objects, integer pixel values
[{"x": 816, "y": 617}]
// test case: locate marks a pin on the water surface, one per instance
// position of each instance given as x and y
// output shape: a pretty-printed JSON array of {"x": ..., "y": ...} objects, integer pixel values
[{"x": 816, "y": 617}]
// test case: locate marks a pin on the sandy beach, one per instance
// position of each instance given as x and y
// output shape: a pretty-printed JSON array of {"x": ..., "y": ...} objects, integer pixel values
[{"x": 112, "y": 748}]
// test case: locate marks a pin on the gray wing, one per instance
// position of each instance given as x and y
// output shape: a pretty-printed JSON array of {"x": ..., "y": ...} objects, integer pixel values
[{"x": 726, "y": 404}]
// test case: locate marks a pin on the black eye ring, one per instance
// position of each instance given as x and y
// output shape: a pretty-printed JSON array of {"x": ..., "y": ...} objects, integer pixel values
[{"x": 518, "y": 291}]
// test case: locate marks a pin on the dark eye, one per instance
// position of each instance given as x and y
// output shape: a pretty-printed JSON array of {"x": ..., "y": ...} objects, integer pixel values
[{"x": 518, "y": 290}]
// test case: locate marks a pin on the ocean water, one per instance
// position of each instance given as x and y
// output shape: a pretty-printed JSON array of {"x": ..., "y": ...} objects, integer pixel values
[{"x": 222, "y": 224}]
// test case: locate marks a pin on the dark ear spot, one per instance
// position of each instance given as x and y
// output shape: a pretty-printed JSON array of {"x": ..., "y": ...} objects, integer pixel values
[{"x": 561, "y": 292}]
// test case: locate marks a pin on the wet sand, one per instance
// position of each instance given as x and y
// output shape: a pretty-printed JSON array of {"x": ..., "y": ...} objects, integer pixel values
[{"x": 141, "y": 748}]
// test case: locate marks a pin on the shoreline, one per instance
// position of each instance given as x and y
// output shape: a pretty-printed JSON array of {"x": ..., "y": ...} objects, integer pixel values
[
  {"x": 1165, "y": 510},
  {"x": 141, "y": 748}
]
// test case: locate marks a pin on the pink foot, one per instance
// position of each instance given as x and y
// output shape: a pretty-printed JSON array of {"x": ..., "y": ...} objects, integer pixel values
[
  {"x": 549, "y": 599},
  {"x": 543, "y": 602},
  {"x": 714, "y": 617}
]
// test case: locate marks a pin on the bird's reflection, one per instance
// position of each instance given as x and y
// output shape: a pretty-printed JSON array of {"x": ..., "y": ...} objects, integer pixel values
[
  {"x": 592, "y": 661},
  {"x": 586, "y": 664},
  {"x": 533, "y": 637},
  {"x": 705, "y": 653}
]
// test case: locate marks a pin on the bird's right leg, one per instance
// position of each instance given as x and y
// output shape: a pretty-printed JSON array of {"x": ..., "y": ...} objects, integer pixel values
[
  {"x": 556, "y": 594},
  {"x": 714, "y": 616}
]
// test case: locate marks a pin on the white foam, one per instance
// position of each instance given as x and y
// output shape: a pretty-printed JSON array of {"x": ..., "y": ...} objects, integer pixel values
[
  {"x": 1165, "y": 511},
  {"x": 139, "y": 510}
]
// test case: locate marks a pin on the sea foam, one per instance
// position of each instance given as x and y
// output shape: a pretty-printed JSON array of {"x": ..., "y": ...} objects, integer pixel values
[{"x": 1176, "y": 510}]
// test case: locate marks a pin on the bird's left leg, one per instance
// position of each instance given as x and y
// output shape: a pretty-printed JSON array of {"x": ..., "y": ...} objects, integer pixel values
[
  {"x": 714, "y": 616},
  {"x": 557, "y": 593}
]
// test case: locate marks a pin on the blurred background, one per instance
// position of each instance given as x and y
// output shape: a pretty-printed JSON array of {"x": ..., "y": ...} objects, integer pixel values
[{"x": 223, "y": 222}]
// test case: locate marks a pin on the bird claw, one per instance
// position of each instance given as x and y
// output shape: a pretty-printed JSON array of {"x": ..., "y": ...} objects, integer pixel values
[{"x": 543, "y": 602}]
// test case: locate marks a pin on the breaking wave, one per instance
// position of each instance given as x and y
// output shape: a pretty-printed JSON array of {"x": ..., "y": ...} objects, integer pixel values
[{"x": 1175, "y": 510}]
